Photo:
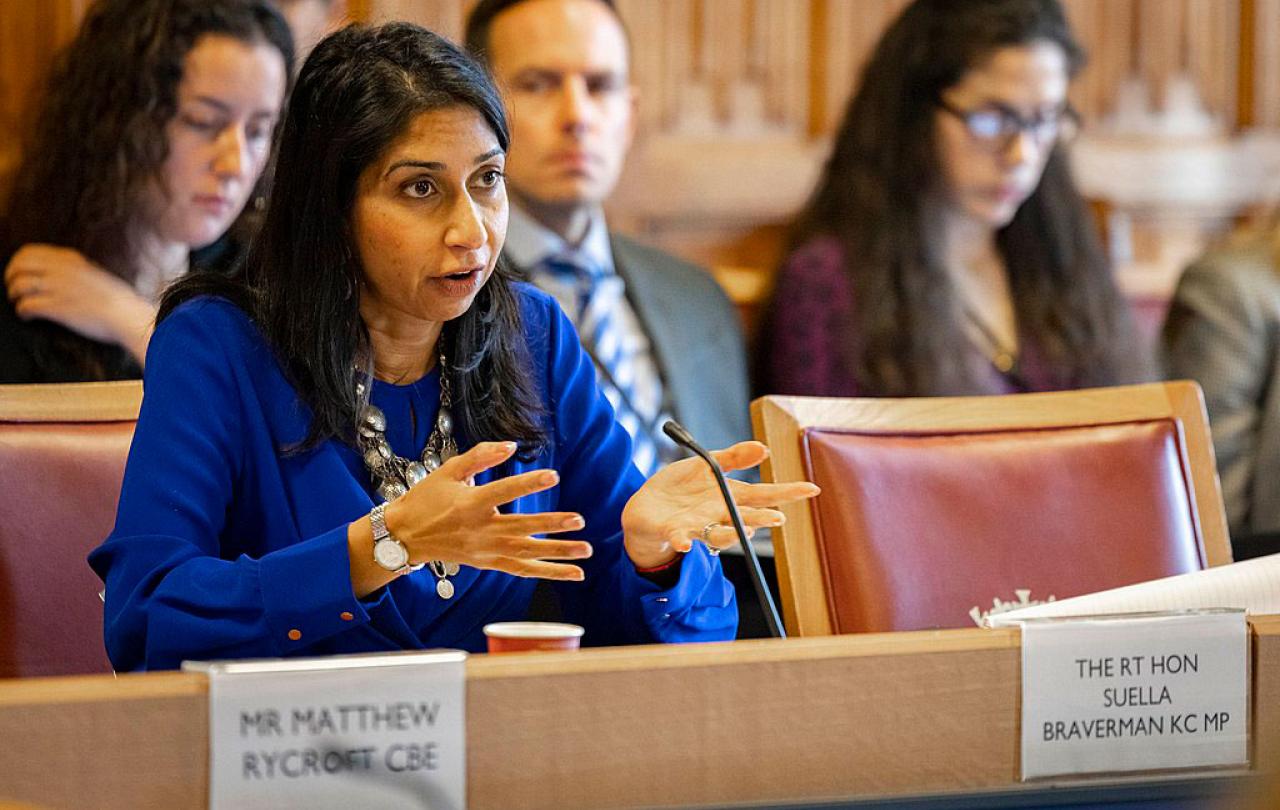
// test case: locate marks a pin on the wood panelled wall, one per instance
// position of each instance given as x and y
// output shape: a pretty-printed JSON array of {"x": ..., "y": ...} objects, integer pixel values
[
  {"x": 31, "y": 31},
  {"x": 739, "y": 97}
]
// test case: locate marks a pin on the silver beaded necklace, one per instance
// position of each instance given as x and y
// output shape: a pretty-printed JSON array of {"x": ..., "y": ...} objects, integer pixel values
[{"x": 394, "y": 475}]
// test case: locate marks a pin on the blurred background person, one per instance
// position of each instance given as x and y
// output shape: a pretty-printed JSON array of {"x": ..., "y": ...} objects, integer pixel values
[
  {"x": 153, "y": 133},
  {"x": 664, "y": 337},
  {"x": 1223, "y": 331},
  {"x": 946, "y": 249}
]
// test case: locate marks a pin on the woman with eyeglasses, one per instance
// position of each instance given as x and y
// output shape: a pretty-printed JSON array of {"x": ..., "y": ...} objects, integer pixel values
[{"x": 946, "y": 249}]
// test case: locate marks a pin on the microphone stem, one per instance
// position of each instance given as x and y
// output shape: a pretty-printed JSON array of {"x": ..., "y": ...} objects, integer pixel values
[{"x": 754, "y": 570}]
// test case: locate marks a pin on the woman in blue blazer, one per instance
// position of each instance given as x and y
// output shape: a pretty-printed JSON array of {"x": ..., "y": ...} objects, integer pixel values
[{"x": 360, "y": 444}]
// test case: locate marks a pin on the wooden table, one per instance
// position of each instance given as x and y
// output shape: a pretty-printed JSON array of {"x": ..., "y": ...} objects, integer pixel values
[{"x": 791, "y": 722}]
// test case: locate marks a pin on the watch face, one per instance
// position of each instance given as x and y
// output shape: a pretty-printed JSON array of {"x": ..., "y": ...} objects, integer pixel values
[{"x": 390, "y": 554}]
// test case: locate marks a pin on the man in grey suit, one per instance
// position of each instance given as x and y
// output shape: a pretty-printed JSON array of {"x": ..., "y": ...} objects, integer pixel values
[
  {"x": 665, "y": 338},
  {"x": 1223, "y": 331}
]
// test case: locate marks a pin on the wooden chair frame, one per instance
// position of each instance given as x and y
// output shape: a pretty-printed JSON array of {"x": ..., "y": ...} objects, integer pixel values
[
  {"x": 71, "y": 402},
  {"x": 781, "y": 422}
]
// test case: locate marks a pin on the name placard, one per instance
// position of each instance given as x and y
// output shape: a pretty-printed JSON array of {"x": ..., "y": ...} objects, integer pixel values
[
  {"x": 347, "y": 731},
  {"x": 1128, "y": 693}
]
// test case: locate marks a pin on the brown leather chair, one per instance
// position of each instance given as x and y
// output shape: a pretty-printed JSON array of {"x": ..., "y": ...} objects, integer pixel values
[
  {"x": 935, "y": 510},
  {"x": 62, "y": 454}
]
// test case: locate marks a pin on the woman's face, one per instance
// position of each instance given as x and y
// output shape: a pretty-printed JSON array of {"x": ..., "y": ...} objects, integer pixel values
[
  {"x": 228, "y": 101},
  {"x": 996, "y": 127},
  {"x": 430, "y": 217}
]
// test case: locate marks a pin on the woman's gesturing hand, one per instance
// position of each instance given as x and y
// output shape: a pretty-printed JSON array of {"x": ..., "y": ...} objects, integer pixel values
[
  {"x": 669, "y": 512},
  {"x": 59, "y": 284},
  {"x": 446, "y": 517}
]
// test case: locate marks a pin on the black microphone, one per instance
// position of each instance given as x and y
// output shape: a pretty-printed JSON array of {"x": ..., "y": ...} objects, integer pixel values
[{"x": 683, "y": 438}]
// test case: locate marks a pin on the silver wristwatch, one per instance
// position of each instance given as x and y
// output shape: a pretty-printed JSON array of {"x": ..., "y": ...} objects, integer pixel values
[{"x": 388, "y": 552}]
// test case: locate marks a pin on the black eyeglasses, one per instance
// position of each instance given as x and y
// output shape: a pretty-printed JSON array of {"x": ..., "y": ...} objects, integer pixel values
[{"x": 998, "y": 125}]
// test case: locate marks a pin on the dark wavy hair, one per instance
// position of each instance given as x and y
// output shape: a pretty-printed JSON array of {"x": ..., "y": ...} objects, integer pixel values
[
  {"x": 878, "y": 198},
  {"x": 99, "y": 137},
  {"x": 357, "y": 93}
]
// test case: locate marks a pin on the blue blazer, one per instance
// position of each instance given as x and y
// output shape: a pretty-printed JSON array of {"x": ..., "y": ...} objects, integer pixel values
[{"x": 227, "y": 546}]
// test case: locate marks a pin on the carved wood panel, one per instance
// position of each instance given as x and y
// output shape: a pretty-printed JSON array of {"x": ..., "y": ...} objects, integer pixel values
[
  {"x": 31, "y": 31},
  {"x": 442, "y": 16},
  {"x": 1158, "y": 41},
  {"x": 1266, "y": 64},
  {"x": 738, "y": 97}
]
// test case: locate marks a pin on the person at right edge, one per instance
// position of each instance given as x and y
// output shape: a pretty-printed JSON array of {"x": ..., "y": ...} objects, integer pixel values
[
  {"x": 946, "y": 250},
  {"x": 1223, "y": 331}
]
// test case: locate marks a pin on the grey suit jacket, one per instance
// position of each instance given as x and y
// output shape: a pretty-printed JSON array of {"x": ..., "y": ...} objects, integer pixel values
[
  {"x": 696, "y": 338},
  {"x": 697, "y": 341},
  {"x": 1223, "y": 331}
]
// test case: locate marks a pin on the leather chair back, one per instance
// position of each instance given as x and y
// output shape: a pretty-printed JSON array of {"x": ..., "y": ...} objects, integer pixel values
[
  {"x": 936, "y": 511},
  {"x": 62, "y": 456}
]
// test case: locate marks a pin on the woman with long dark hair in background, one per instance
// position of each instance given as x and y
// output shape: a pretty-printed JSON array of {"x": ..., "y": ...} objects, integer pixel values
[
  {"x": 946, "y": 249},
  {"x": 377, "y": 395},
  {"x": 156, "y": 125}
]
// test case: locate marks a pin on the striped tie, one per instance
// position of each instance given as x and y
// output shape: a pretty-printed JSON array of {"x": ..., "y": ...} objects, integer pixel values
[{"x": 600, "y": 296}]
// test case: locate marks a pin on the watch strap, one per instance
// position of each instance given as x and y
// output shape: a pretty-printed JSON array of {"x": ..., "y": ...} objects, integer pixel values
[
  {"x": 378, "y": 519},
  {"x": 381, "y": 534}
]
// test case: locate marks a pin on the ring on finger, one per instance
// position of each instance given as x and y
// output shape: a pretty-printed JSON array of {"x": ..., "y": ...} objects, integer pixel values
[{"x": 714, "y": 551}]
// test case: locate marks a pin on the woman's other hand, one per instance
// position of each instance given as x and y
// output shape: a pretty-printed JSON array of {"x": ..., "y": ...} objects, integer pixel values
[
  {"x": 446, "y": 517},
  {"x": 669, "y": 512},
  {"x": 59, "y": 284}
]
